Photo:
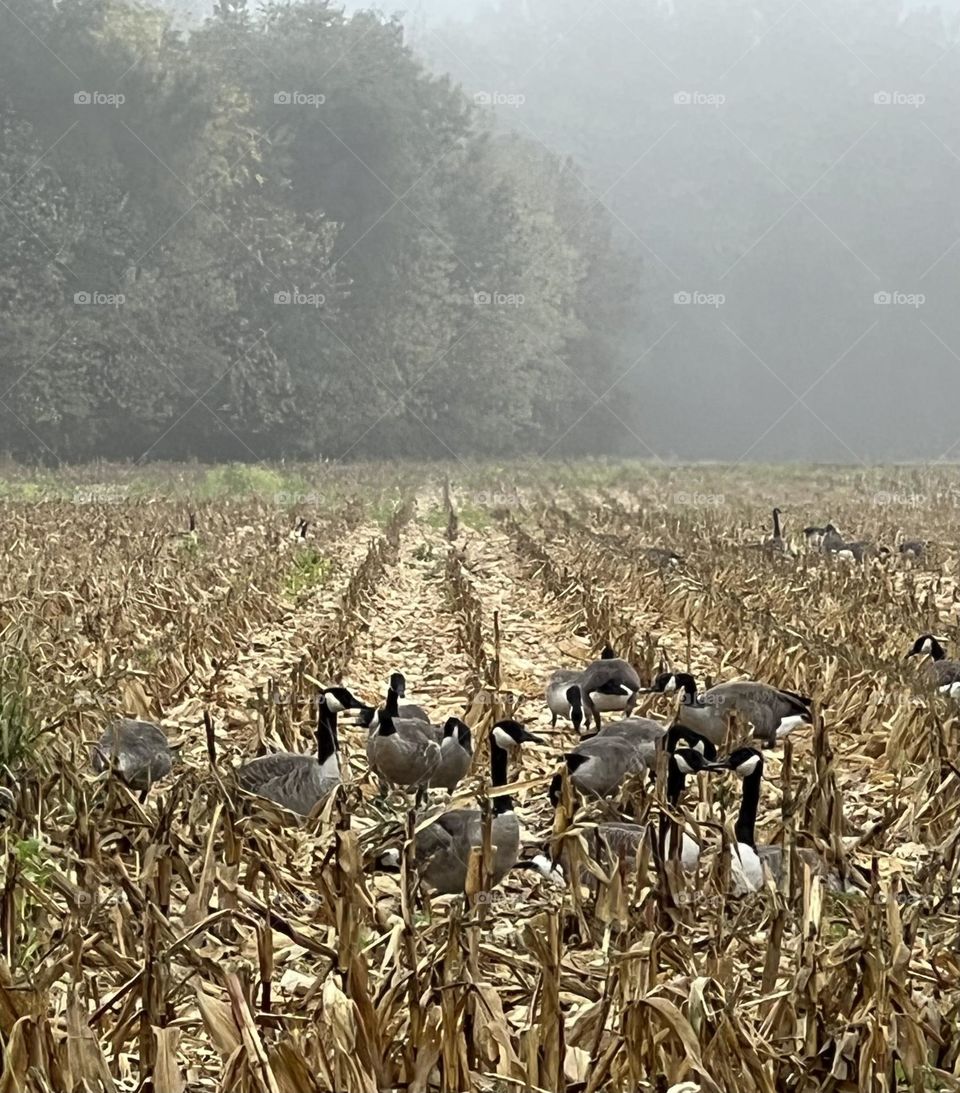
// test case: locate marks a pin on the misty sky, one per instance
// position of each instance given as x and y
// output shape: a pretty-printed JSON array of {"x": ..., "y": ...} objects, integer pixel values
[{"x": 796, "y": 214}]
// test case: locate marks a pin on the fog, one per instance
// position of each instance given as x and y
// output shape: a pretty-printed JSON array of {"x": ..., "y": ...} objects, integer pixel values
[{"x": 744, "y": 215}]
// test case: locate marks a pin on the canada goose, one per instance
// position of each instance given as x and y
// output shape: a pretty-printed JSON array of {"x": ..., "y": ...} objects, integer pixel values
[
  {"x": 945, "y": 673},
  {"x": 770, "y": 711},
  {"x": 831, "y": 540},
  {"x": 748, "y": 862},
  {"x": 662, "y": 556},
  {"x": 299, "y": 533},
  {"x": 624, "y": 838},
  {"x": 814, "y": 537},
  {"x": 403, "y": 751},
  {"x": 913, "y": 548},
  {"x": 369, "y": 716},
  {"x": 191, "y": 535},
  {"x": 564, "y": 697},
  {"x": 599, "y": 764},
  {"x": 456, "y": 755},
  {"x": 442, "y": 850},
  {"x": 141, "y": 750},
  {"x": 607, "y": 684},
  {"x": 776, "y": 544},
  {"x": 300, "y": 782}
]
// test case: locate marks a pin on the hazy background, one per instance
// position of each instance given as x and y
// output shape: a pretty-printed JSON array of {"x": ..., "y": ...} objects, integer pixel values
[{"x": 703, "y": 230}]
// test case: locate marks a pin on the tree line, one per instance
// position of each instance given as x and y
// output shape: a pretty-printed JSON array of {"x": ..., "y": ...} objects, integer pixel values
[{"x": 280, "y": 235}]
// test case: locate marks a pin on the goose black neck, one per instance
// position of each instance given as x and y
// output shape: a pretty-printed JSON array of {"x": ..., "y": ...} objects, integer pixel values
[
  {"x": 745, "y": 829},
  {"x": 776, "y": 523},
  {"x": 392, "y": 705},
  {"x": 499, "y": 777},
  {"x": 386, "y": 726},
  {"x": 326, "y": 732},
  {"x": 679, "y": 734},
  {"x": 676, "y": 781}
]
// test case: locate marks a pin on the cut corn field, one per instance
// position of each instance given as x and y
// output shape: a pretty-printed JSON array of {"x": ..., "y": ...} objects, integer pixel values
[{"x": 202, "y": 939}]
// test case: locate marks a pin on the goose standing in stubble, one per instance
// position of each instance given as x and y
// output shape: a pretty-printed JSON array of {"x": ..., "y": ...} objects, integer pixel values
[
  {"x": 608, "y": 684},
  {"x": 943, "y": 672},
  {"x": 456, "y": 755},
  {"x": 140, "y": 751},
  {"x": 369, "y": 716},
  {"x": 770, "y": 711},
  {"x": 301, "y": 782},
  {"x": 442, "y": 850},
  {"x": 403, "y": 751}
]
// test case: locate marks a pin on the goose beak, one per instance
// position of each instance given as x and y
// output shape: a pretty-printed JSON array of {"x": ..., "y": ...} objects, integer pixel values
[{"x": 530, "y": 738}]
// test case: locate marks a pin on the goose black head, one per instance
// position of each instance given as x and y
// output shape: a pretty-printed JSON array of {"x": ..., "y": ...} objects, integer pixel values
[
  {"x": 608, "y": 653},
  {"x": 398, "y": 684},
  {"x": 668, "y": 683},
  {"x": 743, "y": 762},
  {"x": 575, "y": 698},
  {"x": 365, "y": 716},
  {"x": 690, "y": 761},
  {"x": 510, "y": 734},
  {"x": 927, "y": 645},
  {"x": 338, "y": 699},
  {"x": 679, "y": 736}
]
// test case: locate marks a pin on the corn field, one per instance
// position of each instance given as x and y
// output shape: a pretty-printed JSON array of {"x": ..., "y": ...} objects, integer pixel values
[{"x": 202, "y": 939}]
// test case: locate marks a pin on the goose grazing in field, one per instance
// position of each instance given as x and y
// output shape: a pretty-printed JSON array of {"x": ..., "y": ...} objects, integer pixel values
[
  {"x": 403, "y": 751},
  {"x": 831, "y": 541},
  {"x": 944, "y": 673},
  {"x": 600, "y": 764},
  {"x": 369, "y": 716},
  {"x": 770, "y": 711},
  {"x": 564, "y": 697},
  {"x": 456, "y": 755},
  {"x": 814, "y": 537},
  {"x": 624, "y": 838},
  {"x": 299, "y": 533},
  {"x": 608, "y": 684},
  {"x": 748, "y": 862},
  {"x": 138, "y": 751},
  {"x": 301, "y": 782},
  {"x": 662, "y": 556},
  {"x": 912, "y": 548},
  {"x": 442, "y": 850}
]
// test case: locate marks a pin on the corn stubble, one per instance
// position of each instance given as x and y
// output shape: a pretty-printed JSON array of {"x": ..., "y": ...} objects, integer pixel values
[{"x": 205, "y": 940}]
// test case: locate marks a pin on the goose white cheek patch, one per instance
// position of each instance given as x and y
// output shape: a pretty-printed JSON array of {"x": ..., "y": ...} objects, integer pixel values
[
  {"x": 748, "y": 766},
  {"x": 333, "y": 704},
  {"x": 504, "y": 739},
  {"x": 788, "y": 724}
]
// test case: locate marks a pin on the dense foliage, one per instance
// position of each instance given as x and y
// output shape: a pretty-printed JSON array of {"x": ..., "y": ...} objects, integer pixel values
[{"x": 280, "y": 235}]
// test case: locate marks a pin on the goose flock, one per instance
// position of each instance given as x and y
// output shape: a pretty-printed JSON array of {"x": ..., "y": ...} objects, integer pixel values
[{"x": 410, "y": 752}]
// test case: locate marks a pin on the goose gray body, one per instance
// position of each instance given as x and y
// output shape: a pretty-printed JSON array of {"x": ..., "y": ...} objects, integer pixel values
[
  {"x": 408, "y": 756},
  {"x": 442, "y": 850},
  {"x": 556, "y": 693},
  {"x": 141, "y": 749},
  {"x": 770, "y": 711},
  {"x": 608, "y": 684},
  {"x": 600, "y": 765},
  {"x": 296, "y": 782},
  {"x": 456, "y": 755},
  {"x": 369, "y": 716},
  {"x": 943, "y": 672},
  {"x": 301, "y": 782}
]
